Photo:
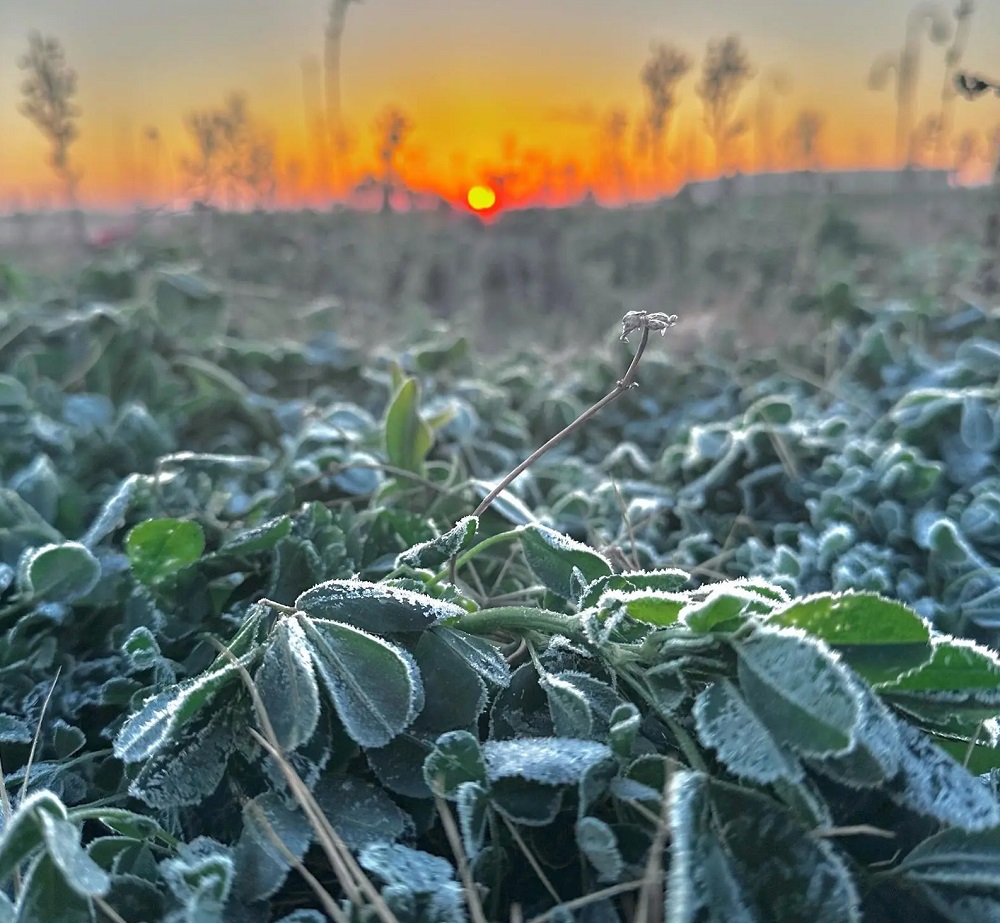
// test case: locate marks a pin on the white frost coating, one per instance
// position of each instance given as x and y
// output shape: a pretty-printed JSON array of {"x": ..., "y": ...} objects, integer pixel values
[
  {"x": 336, "y": 596},
  {"x": 549, "y": 760},
  {"x": 143, "y": 733},
  {"x": 729, "y": 726},
  {"x": 478, "y": 653},
  {"x": 446, "y": 544},
  {"x": 559, "y": 542},
  {"x": 789, "y": 677},
  {"x": 375, "y": 703},
  {"x": 938, "y": 786}
]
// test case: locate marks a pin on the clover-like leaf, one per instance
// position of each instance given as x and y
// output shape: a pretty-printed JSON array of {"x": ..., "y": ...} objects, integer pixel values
[
  {"x": 799, "y": 691},
  {"x": 159, "y": 548},
  {"x": 553, "y": 556},
  {"x": 375, "y": 686},
  {"x": 373, "y": 607},
  {"x": 59, "y": 573}
]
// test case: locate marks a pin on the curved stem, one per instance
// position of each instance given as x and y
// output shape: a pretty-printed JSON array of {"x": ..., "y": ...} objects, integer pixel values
[{"x": 626, "y": 383}]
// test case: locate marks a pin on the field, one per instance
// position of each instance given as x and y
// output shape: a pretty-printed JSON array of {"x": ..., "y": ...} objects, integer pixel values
[{"x": 271, "y": 649}]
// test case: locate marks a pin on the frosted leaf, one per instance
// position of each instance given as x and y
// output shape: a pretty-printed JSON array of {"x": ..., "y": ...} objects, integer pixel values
[
  {"x": 375, "y": 686},
  {"x": 549, "y": 760},
  {"x": 597, "y": 841},
  {"x": 374, "y": 607},
  {"x": 438, "y": 550},
  {"x": 934, "y": 784},
  {"x": 729, "y": 726},
  {"x": 112, "y": 514},
  {"x": 799, "y": 690},
  {"x": 287, "y": 685}
]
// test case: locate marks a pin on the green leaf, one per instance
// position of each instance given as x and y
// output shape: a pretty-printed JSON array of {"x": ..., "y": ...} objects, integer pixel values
[
  {"x": 881, "y": 639},
  {"x": 59, "y": 573},
  {"x": 571, "y": 712},
  {"x": 723, "y": 604},
  {"x": 261, "y": 866},
  {"x": 260, "y": 538},
  {"x": 374, "y": 607},
  {"x": 959, "y": 872},
  {"x": 455, "y": 760},
  {"x": 799, "y": 691},
  {"x": 48, "y": 897},
  {"x": 729, "y": 726},
  {"x": 82, "y": 874},
  {"x": 158, "y": 548},
  {"x": 215, "y": 464},
  {"x": 375, "y": 686},
  {"x": 669, "y": 580},
  {"x": 478, "y": 653},
  {"x": 360, "y": 811},
  {"x": 553, "y": 557},
  {"x": 597, "y": 841},
  {"x": 287, "y": 685},
  {"x": 739, "y": 857},
  {"x": 934, "y": 784},
  {"x": 408, "y": 438},
  {"x": 454, "y": 693},
  {"x": 22, "y": 833},
  {"x": 438, "y": 550},
  {"x": 161, "y": 715},
  {"x": 956, "y": 689},
  {"x": 652, "y": 607}
]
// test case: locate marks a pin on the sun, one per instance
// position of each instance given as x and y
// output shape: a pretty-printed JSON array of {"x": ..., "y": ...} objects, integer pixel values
[{"x": 481, "y": 198}]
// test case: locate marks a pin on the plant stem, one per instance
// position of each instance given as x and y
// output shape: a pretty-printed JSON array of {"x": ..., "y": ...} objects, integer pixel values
[
  {"x": 518, "y": 619},
  {"x": 625, "y": 384},
  {"x": 467, "y": 556}
]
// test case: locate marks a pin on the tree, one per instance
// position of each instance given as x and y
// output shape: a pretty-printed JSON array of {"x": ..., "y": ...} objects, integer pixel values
[
  {"x": 770, "y": 82},
  {"x": 613, "y": 131},
  {"x": 334, "y": 43},
  {"x": 233, "y": 158},
  {"x": 905, "y": 66},
  {"x": 48, "y": 93},
  {"x": 805, "y": 135},
  {"x": 391, "y": 128},
  {"x": 724, "y": 73},
  {"x": 665, "y": 68}
]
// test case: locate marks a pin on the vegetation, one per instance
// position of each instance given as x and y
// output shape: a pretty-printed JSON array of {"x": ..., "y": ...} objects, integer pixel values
[{"x": 727, "y": 651}]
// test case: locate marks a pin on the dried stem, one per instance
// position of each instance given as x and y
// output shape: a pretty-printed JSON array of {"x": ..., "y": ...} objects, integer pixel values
[{"x": 634, "y": 320}]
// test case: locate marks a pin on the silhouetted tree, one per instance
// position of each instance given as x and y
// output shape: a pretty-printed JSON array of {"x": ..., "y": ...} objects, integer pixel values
[
  {"x": 952, "y": 58},
  {"x": 48, "y": 100},
  {"x": 905, "y": 65},
  {"x": 233, "y": 157},
  {"x": 613, "y": 131},
  {"x": 725, "y": 71},
  {"x": 391, "y": 128},
  {"x": 805, "y": 134},
  {"x": 334, "y": 43},
  {"x": 665, "y": 68}
]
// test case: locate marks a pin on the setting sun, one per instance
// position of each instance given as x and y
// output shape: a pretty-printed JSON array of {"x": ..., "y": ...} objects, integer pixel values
[{"x": 481, "y": 198}]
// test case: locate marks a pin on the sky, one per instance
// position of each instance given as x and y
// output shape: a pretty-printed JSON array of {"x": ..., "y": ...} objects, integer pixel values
[{"x": 515, "y": 88}]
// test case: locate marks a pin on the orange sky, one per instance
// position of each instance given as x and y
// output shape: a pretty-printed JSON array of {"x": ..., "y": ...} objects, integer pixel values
[{"x": 491, "y": 86}]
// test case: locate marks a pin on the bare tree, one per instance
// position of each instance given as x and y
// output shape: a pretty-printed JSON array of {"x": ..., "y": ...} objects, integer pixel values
[
  {"x": 905, "y": 65},
  {"x": 233, "y": 158},
  {"x": 771, "y": 82},
  {"x": 334, "y": 44},
  {"x": 805, "y": 136},
  {"x": 613, "y": 131},
  {"x": 666, "y": 67},
  {"x": 952, "y": 58},
  {"x": 391, "y": 128},
  {"x": 48, "y": 100},
  {"x": 724, "y": 73}
]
